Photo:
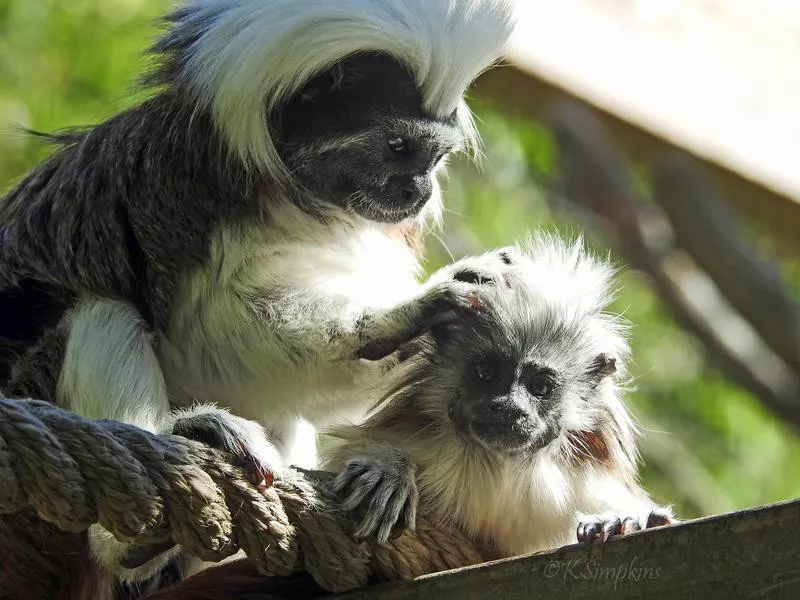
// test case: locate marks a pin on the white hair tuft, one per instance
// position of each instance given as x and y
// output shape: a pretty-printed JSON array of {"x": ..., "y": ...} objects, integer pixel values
[
  {"x": 244, "y": 57},
  {"x": 566, "y": 273}
]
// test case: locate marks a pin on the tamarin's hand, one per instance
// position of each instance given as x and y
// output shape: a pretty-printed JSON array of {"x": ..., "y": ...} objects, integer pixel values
[{"x": 380, "y": 490}]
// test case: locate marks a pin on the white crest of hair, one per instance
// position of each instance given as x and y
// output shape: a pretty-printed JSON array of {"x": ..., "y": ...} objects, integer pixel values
[
  {"x": 565, "y": 273},
  {"x": 250, "y": 55},
  {"x": 578, "y": 286}
]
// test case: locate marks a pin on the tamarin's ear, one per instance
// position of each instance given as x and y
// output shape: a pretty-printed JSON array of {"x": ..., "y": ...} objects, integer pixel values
[{"x": 603, "y": 365}]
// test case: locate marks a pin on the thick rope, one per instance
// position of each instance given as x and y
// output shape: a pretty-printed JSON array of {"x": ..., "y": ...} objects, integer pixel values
[{"x": 149, "y": 488}]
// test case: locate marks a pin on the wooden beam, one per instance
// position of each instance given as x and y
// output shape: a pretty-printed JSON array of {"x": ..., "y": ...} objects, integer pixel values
[
  {"x": 524, "y": 94},
  {"x": 748, "y": 554},
  {"x": 717, "y": 80}
]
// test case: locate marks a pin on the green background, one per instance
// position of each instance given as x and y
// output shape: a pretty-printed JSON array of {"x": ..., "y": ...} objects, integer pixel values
[{"x": 709, "y": 446}]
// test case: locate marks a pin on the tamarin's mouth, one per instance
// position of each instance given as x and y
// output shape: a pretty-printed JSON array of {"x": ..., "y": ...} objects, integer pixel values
[
  {"x": 507, "y": 437},
  {"x": 395, "y": 215},
  {"x": 371, "y": 207},
  {"x": 502, "y": 436}
]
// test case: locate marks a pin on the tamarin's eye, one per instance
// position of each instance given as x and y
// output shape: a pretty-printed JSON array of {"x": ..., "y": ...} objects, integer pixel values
[
  {"x": 541, "y": 385},
  {"x": 486, "y": 370},
  {"x": 398, "y": 145}
]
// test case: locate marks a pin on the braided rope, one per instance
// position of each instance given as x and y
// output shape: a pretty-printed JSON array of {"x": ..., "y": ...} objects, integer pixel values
[{"x": 149, "y": 488}]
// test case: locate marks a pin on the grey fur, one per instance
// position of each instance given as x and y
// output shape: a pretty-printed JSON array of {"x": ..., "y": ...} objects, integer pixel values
[
  {"x": 35, "y": 373},
  {"x": 125, "y": 209}
]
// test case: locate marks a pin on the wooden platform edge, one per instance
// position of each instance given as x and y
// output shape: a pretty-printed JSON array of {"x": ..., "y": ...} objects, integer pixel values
[
  {"x": 752, "y": 553},
  {"x": 522, "y": 93}
]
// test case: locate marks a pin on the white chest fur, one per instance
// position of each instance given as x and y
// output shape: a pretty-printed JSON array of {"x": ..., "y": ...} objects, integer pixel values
[
  {"x": 262, "y": 328},
  {"x": 515, "y": 507}
]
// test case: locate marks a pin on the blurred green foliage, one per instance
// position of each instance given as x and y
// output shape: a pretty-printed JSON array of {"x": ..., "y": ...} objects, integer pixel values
[{"x": 709, "y": 446}]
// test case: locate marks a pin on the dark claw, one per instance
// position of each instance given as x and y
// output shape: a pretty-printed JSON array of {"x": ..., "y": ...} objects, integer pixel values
[
  {"x": 226, "y": 432},
  {"x": 602, "y": 529},
  {"x": 256, "y": 473},
  {"x": 629, "y": 525},
  {"x": 484, "y": 270},
  {"x": 394, "y": 510},
  {"x": 599, "y": 530},
  {"x": 589, "y": 532},
  {"x": 406, "y": 522},
  {"x": 378, "y": 350},
  {"x": 579, "y": 533},
  {"x": 473, "y": 277},
  {"x": 658, "y": 519},
  {"x": 611, "y": 528}
]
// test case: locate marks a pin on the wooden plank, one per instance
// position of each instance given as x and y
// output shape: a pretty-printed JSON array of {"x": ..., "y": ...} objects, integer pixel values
[
  {"x": 658, "y": 87},
  {"x": 523, "y": 94},
  {"x": 748, "y": 554},
  {"x": 719, "y": 78}
]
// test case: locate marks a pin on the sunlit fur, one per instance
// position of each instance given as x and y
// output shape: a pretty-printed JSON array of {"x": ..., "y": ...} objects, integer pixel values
[
  {"x": 300, "y": 364},
  {"x": 551, "y": 312}
]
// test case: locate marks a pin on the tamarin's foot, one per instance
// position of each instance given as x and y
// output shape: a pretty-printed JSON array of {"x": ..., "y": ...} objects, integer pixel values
[
  {"x": 245, "y": 439},
  {"x": 382, "y": 495},
  {"x": 220, "y": 429},
  {"x": 598, "y": 528}
]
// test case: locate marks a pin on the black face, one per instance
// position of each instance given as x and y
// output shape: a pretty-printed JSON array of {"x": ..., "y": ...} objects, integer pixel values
[
  {"x": 505, "y": 406},
  {"x": 357, "y": 137},
  {"x": 514, "y": 372}
]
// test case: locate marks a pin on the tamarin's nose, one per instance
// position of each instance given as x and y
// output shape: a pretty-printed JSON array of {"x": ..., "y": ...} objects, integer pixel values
[
  {"x": 412, "y": 189},
  {"x": 502, "y": 412},
  {"x": 501, "y": 419}
]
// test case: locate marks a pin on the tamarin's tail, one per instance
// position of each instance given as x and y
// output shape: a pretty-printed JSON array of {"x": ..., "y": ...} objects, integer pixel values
[
  {"x": 38, "y": 560},
  {"x": 239, "y": 580}
]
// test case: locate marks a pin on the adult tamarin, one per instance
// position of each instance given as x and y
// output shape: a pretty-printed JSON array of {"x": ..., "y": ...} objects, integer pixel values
[
  {"x": 238, "y": 237},
  {"x": 504, "y": 422}
]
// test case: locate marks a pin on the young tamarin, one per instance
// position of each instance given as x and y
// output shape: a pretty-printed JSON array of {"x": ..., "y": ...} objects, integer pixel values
[
  {"x": 507, "y": 421},
  {"x": 504, "y": 422}
]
